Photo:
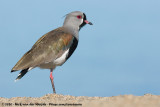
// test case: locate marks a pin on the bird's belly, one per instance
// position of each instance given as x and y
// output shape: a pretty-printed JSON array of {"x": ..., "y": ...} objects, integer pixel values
[
  {"x": 61, "y": 60},
  {"x": 47, "y": 65}
]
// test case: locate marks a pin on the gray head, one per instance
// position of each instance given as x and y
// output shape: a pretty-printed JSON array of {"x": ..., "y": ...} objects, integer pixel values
[{"x": 76, "y": 20}]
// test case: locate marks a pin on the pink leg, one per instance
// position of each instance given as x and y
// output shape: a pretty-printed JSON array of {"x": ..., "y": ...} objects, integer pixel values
[{"x": 51, "y": 78}]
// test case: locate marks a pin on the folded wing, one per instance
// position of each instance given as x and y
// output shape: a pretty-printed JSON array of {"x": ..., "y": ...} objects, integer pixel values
[{"x": 48, "y": 48}]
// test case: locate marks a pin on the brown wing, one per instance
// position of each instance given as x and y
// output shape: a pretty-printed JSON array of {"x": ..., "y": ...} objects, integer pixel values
[{"x": 46, "y": 49}]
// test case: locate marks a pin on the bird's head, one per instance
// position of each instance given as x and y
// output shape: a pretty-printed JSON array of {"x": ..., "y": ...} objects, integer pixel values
[{"x": 76, "y": 19}]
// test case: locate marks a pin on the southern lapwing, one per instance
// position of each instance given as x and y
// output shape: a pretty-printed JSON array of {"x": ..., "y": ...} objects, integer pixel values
[{"x": 54, "y": 48}]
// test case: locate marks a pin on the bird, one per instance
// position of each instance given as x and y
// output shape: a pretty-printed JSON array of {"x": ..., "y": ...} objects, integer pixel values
[{"x": 53, "y": 48}]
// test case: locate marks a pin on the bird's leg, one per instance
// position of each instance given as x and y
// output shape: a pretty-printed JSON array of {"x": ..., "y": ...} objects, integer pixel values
[{"x": 52, "y": 82}]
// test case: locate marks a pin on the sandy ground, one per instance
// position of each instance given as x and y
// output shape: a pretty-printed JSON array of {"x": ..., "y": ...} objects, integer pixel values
[{"x": 53, "y": 100}]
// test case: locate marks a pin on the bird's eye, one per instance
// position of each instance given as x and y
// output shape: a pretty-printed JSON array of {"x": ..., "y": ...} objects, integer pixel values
[{"x": 79, "y": 17}]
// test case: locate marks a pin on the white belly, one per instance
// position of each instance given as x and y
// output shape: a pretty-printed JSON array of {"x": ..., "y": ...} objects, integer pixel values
[
  {"x": 59, "y": 61},
  {"x": 62, "y": 59}
]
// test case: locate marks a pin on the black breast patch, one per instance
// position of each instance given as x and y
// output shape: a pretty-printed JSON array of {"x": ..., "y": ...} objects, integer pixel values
[{"x": 73, "y": 47}]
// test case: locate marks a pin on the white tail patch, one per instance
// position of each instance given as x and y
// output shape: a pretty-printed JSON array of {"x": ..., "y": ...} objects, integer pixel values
[
  {"x": 16, "y": 80},
  {"x": 30, "y": 68}
]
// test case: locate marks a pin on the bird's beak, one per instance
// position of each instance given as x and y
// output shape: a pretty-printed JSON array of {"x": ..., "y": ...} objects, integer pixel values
[{"x": 87, "y": 22}]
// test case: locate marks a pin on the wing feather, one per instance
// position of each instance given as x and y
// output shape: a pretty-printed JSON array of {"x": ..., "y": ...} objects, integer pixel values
[{"x": 49, "y": 47}]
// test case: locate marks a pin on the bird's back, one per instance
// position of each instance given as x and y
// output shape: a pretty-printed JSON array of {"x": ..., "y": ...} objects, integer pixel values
[{"x": 48, "y": 48}]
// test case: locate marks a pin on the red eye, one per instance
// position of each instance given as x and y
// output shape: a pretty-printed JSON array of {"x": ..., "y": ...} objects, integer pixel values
[{"x": 79, "y": 17}]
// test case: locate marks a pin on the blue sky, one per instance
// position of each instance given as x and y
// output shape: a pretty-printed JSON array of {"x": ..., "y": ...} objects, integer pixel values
[{"x": 118, "y": 55}]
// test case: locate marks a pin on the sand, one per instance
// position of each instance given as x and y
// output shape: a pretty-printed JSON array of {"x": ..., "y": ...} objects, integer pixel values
[{"x": 56, "y": 100}]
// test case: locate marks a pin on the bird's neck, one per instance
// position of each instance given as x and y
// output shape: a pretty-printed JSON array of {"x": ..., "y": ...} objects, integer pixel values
[{"x": 73, "y": 30}]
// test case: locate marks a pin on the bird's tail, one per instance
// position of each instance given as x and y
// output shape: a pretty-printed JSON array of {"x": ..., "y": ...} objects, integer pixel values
[{"x": 21, "y": 74}]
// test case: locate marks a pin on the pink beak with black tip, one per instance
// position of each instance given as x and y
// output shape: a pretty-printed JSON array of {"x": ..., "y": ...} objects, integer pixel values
[{"x": 87, "y": 22}]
